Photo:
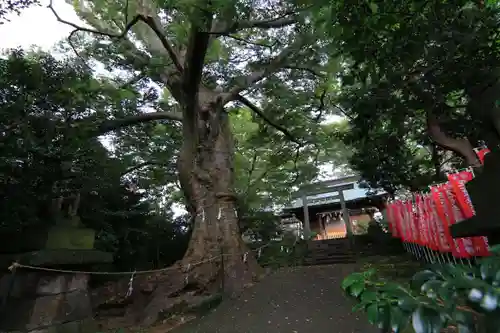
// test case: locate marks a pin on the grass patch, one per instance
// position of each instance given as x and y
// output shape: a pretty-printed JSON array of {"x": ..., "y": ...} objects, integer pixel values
[{"x": 398, "y": 268}]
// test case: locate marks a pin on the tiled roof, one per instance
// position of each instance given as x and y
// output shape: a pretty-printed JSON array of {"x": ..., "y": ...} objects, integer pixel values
[{"x": 325, "y": 198}]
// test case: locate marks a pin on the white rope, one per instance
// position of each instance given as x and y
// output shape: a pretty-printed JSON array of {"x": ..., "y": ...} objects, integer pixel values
[
  {"x": 16, "y": 265},
  {"x": 186, "y": 279},
  {"x": 130, "y": 285}
]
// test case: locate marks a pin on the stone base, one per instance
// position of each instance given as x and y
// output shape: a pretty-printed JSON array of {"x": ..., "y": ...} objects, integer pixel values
[
  {"x": 57, "y": 258},
  {"x": 44, "y": 302}
]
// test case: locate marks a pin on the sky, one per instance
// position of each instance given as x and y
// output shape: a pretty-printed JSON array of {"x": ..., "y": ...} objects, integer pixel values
[{"x": 37, "y": 26}]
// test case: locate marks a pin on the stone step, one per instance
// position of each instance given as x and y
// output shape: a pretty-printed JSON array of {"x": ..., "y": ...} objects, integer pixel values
[
  {"x": 329, "y": 261},
  {"x": 315, "y": 246},
  {"x": 331, "y": 249},
  {"x": 339, "y": 249},
  {"x": 327, "y": 244},
  {"x": 329, "y": 253}
]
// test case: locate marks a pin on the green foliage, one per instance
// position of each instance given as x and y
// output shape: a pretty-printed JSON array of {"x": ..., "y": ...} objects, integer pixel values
[
  {"x": 284, "y": 253},
  {"x": 267, "y": 167},
  {"x": 402, "y": 61},
  {"x": 42, "y": 155},
  {"x": 47, "y": 153},
  {"x": 441, "y": 296}
]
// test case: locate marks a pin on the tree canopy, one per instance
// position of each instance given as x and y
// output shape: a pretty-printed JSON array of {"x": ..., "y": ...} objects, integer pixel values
[{"x": 412, "y": 74}]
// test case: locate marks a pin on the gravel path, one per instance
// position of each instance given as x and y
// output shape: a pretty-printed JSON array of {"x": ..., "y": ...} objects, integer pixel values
[{"x": 292, "y": 300}]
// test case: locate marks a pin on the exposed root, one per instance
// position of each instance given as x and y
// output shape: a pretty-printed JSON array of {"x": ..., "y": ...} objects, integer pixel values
[{"x": 157, "y": 296}]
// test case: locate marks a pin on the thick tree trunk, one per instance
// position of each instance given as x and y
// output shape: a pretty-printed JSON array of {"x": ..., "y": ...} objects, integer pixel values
[
  {"x": 206, "y": 175},
  {"x": 216, "y": 259}
]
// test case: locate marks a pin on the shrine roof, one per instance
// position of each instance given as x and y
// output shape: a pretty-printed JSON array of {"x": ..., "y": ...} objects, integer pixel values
[{"x": 329, "y": 191}]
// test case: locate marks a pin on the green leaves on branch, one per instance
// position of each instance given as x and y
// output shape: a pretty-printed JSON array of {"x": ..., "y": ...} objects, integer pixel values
[
  {"x": 451, "y": 46},
  {"x": 441, "y": 296}
]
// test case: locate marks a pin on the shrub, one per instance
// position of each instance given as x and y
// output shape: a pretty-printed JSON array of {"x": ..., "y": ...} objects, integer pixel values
[{"x": 439, "y": 297}]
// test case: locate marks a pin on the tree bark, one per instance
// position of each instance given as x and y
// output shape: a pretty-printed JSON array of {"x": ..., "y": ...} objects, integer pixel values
[
  {"x": 461, "y": 146},
  {"x": 436, "y": 161},
  {"x": 206, "y": 174},
  {"x": 217, "y": 259}
]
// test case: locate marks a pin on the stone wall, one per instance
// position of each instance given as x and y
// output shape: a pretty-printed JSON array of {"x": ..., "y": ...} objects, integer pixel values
[{"x": 45, "y": 303}]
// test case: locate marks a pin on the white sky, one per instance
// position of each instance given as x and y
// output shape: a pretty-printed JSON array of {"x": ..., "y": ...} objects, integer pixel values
[{"x": 37, "y": 26}]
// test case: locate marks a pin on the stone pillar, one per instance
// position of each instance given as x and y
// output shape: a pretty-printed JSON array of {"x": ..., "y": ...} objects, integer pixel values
[
  {"x": 307, "y": 225},
  {"x": 345, "y": 213}
]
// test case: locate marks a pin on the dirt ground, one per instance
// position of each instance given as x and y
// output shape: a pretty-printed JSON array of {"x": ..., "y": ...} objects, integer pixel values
[{"x": 291, "y": 300}]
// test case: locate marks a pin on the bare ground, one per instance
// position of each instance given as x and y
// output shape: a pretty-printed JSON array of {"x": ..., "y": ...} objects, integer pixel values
[{"x": 291, "y": 300}]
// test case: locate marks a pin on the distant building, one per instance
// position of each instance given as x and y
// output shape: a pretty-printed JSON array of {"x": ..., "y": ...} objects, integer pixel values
[{"x": 320, "y": 207}]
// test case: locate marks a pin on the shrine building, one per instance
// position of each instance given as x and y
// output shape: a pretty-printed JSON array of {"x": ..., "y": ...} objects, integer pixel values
[{"x": 332, "y": 209}]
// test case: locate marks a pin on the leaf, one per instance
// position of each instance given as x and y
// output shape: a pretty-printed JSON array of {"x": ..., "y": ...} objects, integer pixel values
[
  {"x": 496, "y": 248},
  {"x": 490, "y": 301},
  {"x": 351, "y": 279},
  {"x": 407, "y": 304},
  {"x": 431, "y": 288},
  {"x": 368, "y": 296},
  {"x": 447, "y": 293},
  {"x": 426, "y": 320},
  {"x": 399, "y": 319},
  {"x": 369, "y": 273},
  {"x": 464, "y": 328},
  {"x": 372, "y": 313},
  {"x": 384, "y": 317},
  {"x": 373, "y": 7},
  {"x": 463, "y": 318},
  {"x": 357, "y": 288},
  {"x": 422, "y": 277}
]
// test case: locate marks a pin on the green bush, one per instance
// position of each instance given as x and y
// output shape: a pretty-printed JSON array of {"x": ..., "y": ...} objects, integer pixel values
[
  {"x": 288, "y": 252},
  {"x": 441, "y": 296}
]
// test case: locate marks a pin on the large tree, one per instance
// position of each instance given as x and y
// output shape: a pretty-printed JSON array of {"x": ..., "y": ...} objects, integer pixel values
[
  {"x": 206, "y": 57},
  {"x": 419, "y": 78}
]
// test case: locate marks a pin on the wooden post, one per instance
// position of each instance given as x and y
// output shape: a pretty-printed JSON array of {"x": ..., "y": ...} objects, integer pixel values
[
  {"x": 345, "y": 212},
  {"x": 307, "y": 225}
]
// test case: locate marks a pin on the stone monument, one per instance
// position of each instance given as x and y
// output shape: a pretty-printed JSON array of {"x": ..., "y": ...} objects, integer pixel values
[{"x": 45, "y": 301}]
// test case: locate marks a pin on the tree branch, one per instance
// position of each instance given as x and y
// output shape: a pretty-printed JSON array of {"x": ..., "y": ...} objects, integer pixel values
[
  {"x": 261, "y": 114},
  {"x": 321, "y": 106},
  {"x": 285, "y": 19},
  {"x": 251, "y": 170},
  {"x": 274, "y": 23},
  {"x": 281, "y": 21},
  {"x": 461, "y": 146},
  {"x": 306, "y": 69},
  {"x": 140, "y": 166},
  {"x": 155, "y": 26},
  {"x": 243, "y": 40},
  {"x": 112, "y": 125},
  {"x": 197, "y": 47},
  {"x": 150, "y": 21},
  {"x": 274, "y": 64}
]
